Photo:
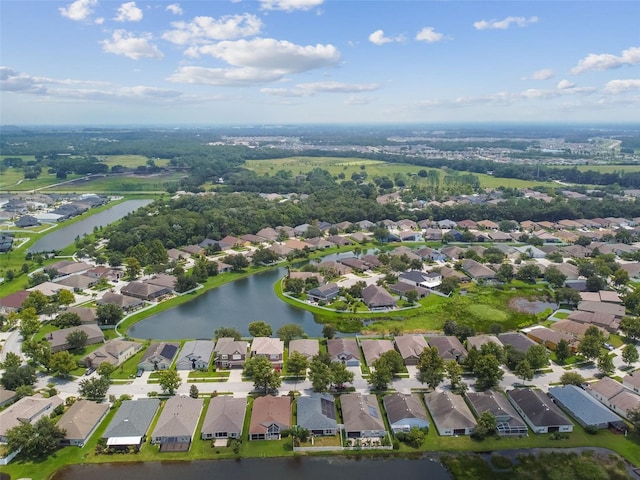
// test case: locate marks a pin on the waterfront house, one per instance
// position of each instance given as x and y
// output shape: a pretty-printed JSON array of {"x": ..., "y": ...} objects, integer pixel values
[
  {"x": 128, "y": 427},
  {"x": 361, "y": 416},
  {"x": 405, "y": 411},
  {"x": 317, "y": 413},
  {"x": 81, "y": 420},
  {"x": 450, "y": 413},
  {"x": 177, "y": 423},
  {"x": 269, "y": 417},
  {"x": 224, "y": 418}
]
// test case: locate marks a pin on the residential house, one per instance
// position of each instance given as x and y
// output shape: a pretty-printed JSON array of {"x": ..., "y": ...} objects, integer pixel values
[
  {"x": 81, "y": 420},
  {"x": 344, "y": 350},
  {"x": 68, "y": 267},
  {"x": 27, "y": 221},
  {"x": 77, "y": 282},
  {"x": 270, "y": 348},
  {"x": 339, "y": 241},
  {"x": 128, "y": 427},
  {"x": 432, "y": 234},
  {"x": 575, "y": 329},
  {"x": 159, "y": 356},
  {"x": 632, "y": 381},
  {"x": 478, "y": 340},
  {"x": 114, "y": 352},
  {"x": 7, "y": 397},
  {"x": 614, "y": 395},
  {"x": 516, "y": 340},
  {"x": 377, "y": 298},
  {"x": 195, "y": 355},
  {"x": 163, "y": 280},
  {"x": 269, "y": 417},
  {"x": 323, "y": 293},
  {"x": 308, "y": 347},
  {"x": 410, "y": 347},
  {"x": 401, "y": 289},
  {"x": 355, "y": 264},
  {"x": 361, "y": 416},
  {"x": 176, "y": 426},
  {"x": 449, "y": 347},
  {"x": 617, "y": 311},
  {"x": 450, "y": 413},
  {"x": 49, "y": 289},
  {"x": 13, "y": 301},
  {"x": 268, "y": 234},
  {"x": 230, "y": 353},
  {"x": 374, "y": 348},
  {"x": 111, "y": 274},
  {"x": 477, "y": 271},
  {"x": 507, "y": 419},
  {"x": 427, "y": 253},
  {"x": 224, "y": 418},
  {"x": 550, "y": 338},
  {"x": 317, "y": 413},
  {"x": 58, "y": 338},
  {"x": 540, "y": 413},
  {"x": 609, "y": 322},
  {"x": 123, "y": 301},
  {"x": 145, "y": 291},
  {"x": 405, "y": 411},
  {"x": 421, "y": 279},
  {"x": 585, "y": 409},
  {"x": 27, "y": 409}
]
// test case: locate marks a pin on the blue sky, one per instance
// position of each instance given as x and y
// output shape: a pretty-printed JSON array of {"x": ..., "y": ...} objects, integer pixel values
[{"x": 211, "y": 62}]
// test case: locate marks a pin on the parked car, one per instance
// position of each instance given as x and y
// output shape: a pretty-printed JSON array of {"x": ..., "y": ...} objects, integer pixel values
[
  {"x": 139, "y": 372},
  {"x": 608, "y": 346},
  {"x": 89, "y": 371}
]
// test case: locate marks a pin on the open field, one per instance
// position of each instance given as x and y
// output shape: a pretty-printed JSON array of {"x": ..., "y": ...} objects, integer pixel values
[
  {"x": 13, "y": 180},
  {"x": 122, "y": 184},
  {"x": 603, "y": 168},
  {"x": 130, "y": 161},
  {"x": 337, "y": 165}
]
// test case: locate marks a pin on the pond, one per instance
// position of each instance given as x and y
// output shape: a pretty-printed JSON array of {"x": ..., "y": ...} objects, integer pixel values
[
  {"x": 66, "y": 235},
  {"x": 524, "y": 305},
  {"x": 318, "y": 468},
  {"x": 235, "y": 304}
]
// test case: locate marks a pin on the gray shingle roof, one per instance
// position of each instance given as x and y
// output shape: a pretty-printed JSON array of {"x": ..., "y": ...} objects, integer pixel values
[
  {"x": 225, "y": 414},
  {"x": 585, "y": 408},
  {"x": 400, "y": 406},
  {"x": 538, "y": 408},
  {"x": 133, "y": 418},
  {"x": 317, "y": 412}
]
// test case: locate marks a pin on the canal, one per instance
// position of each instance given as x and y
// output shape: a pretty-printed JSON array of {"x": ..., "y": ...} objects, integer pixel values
[{"x": 66, "y": 235}]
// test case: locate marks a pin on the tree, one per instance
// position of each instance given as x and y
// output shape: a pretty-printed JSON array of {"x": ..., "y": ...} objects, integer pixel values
[
  {"x": 297, "y": 364},
  {"x": 487, "y": 371},
  {"x": 35, "y": 440},
  {"x": 105, "y": 369},
  {"x": 237, "y": 262},
  {"x": 37, "y": 300},
  {"x": 605, "y": 364},
  {"x": 77, "y": 339},
  {"x": 185, "y": 282},
  {"x": 328, "y": 331},
  {"x": 169, "y": 380},
  {"x": 487, "y": 425},
  {"x": 227, "y": 332},
  {"x": 505, "y": 273},
  {"x": 295, "y": 286},
  {"x": 133, "y": 268},
  {"x": 449, "y": 284},
  {"x": 563, "y": 351},
  {"x": 288, "y": 332},
  {"x": 620, "y": 277},
  {"x": 537, "y": 357},
  {"x": 414, "y": 437},
  {"x": 431, "y": 367},
  {"x": 633, "y": 416},
  {"x": 39, "y": 352},
  {"x": 260, "y": 329},
  {"x": 199, "y": 271},
  {"x": 554, "y": 277},
  {"x": 62, "y": 363},
  {"x": 11, "y": 360},
  {"x": 595, "y": 283},
  {"x": 65, "y": 297},
  {"x": 298, "y": 434},
  {"x": 572, "y": 378},
  {"x": 567, "y": 295},
  {"x": 454, "y": 373},
  {"x": 529, "y": 273},
  {"x": 320, "y": 375},
  {"x": 94, "y": 388},
  {"x": 630, "y": 354},
  {"x": 193, "y": 391},
  {"x": 16, "y": 377},
  {"x": 29, "y": 326},
  {"x": 394, "y": 360},
  {"x": 380, "y": 377},
  {"x": 66, "y": 320},
  {"x": 109, "y": 314},
  {"x": 631, "y": 327},
  {"x": 592, "y": 343},
  {"x": 340, "y": 375},
  {"x": 265, "y": 378},
  {"x": 524, "y": 371}
]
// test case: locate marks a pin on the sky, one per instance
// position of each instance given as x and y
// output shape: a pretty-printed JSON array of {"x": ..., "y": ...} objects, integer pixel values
[{"x": 228, "y": 62}]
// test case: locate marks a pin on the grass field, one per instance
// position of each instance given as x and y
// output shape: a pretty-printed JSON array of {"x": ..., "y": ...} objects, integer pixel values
[
  {"x": 130, "y": 161},
  {"x": 603, "y": 168},
  {"x": 10, "y": 178},
  {"x": 124, "y": 184},
  {"x": 336, "y": 165}
]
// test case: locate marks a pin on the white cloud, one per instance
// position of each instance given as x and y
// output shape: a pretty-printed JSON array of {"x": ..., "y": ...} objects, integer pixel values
[
  {"x": 174, "y": 8},
  {"x": 310, "y": 89},
  {"x": 273, "y": 55},
  {"x": 289, "y": 5},
  {"x": 12, "y": 81},
  {"x": 358, "y": 100},
  {"x": 127, "y": 44},
  {"x": 564, "y": 84},
  {"x": 607, "y": 61},
  {"x": 544, "y": 74},
  {"x": 79, "y": 10},
  {"x": 429, "y": 35},
  {"x": 99, "y": 21},
  {"x": 621, "y": 86},
  {"x": 504, "y": 23},
  {"x": 202, "y": 29},
  {"x": 378, "y": 38},
  {"x": 128, "y": 12},
  {"x": 224, "y": 77}
]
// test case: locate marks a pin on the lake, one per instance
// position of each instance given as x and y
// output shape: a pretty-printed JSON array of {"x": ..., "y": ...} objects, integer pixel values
[
  {"x": 66, "y": 235},
  {"x": 307, "y": 468},
  {"x": 235, "y": 304}
]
